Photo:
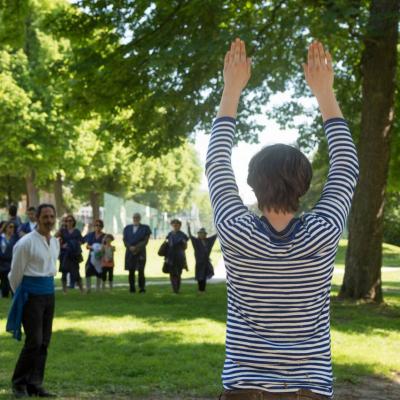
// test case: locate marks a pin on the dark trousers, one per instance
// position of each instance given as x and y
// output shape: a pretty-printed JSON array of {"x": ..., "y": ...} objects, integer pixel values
[
  {"x": 175, "y": 282},
  {"x": 110, "y": 272},
  {"x": 142, "y": 279},
  {"x": 37, "y": 321},
  {"x": 4, "y": 284},
  {"x": 202, "y": 285}
]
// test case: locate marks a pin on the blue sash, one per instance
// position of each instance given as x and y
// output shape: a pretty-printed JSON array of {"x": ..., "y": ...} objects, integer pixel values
[{"x": 30, "y": 285}]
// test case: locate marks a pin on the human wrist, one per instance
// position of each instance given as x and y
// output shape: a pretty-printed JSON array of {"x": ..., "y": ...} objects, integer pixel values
[{"x": 231, "y": 91}]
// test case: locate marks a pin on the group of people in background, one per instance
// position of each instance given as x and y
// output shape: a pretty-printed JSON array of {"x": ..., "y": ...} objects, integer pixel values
[
  {"x": 10, "y": 232},
  {"x": 100, "y": 261}
]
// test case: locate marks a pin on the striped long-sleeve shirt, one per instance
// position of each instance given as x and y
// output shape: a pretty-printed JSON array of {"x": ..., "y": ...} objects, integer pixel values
[{"x": 278, "y": 326}]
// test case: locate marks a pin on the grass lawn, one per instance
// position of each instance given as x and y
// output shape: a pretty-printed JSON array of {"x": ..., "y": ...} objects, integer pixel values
[{"x": 114, "y": 345}]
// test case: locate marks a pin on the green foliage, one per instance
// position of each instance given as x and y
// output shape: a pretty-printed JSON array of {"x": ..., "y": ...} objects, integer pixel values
[
  {"x": 167, "y": 182},
  {"x": 391, "y": 222}
]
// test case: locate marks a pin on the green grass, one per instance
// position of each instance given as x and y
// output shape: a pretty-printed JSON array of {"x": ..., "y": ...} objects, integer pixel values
[
  {"x": 113, "y": 345},
  {"x": 154, "y": 262},
  {"x": 391, "y": 255}
]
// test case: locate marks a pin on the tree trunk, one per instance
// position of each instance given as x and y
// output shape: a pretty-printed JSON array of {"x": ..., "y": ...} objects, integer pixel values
[
  {"x": 362, "y": 278},
  {"x": 58, "y": 195},
  {"x": 95, "y": 203},
  {"x": 9, "y": 190},
  {"x": 31, "y": 189}
]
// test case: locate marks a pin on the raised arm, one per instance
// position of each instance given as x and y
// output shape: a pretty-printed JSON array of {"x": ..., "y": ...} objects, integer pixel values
[
  {"x": 338, "y": 191},
  {"x": 224, "y": 193}
]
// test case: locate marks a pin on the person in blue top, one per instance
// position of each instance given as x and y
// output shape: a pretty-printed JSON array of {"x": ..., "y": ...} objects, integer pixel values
[
  {"x": 71, "y": 252},
  {"x": 7, "y": 242},
  {"x": 90, "y": 239},
  {"x": 30, "y": 225},
  {"x": 136, "y": 237}
]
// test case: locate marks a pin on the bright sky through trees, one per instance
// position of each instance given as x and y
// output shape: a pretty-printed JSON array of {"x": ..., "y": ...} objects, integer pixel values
[{"x": 243, "y": 152}]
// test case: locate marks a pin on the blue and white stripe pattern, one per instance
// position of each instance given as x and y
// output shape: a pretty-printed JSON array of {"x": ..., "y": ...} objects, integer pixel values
[{"x": 278, "y": 335}]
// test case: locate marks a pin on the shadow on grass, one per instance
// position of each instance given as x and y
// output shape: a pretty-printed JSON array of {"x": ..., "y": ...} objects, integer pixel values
[
  {"x": 158, "y": 365},
  {"x": 82, "y": 365},
  {"x": 348, "y": 316},
  {"x": 354, "y": 381}
]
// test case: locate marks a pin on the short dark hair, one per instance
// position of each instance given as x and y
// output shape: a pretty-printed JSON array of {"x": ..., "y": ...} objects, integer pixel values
[
  {"x": 108, "y": 236},
  {"x": 279, "y": 175},
  {"x": 12, "y": 210},
  {"x": 176, "y": 221},
  {"x": 42, "y": 206},
  {"x": 31, "y": 209}
]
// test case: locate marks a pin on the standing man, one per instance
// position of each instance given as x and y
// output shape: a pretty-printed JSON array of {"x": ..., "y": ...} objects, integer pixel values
[
  {"x": 279, "y": 266},
  {"x": 136, "y": 237},
  {"x": 30, "y": 225},
  {"x": 32, "y": 280}
]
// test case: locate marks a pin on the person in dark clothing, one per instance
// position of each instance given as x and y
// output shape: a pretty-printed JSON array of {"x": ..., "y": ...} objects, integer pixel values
[
  {"x": 13, "y": 217},
  {"x": 7, "y": 242},
  {"x": 97, "y": 236},
  {"x": 136, "y": 237},
  {"x": 202, "y": 246},
  {"x": 71, "y": 252},
  {"x": 30, "y": 225},
  {"x": 176, "y": 257}
]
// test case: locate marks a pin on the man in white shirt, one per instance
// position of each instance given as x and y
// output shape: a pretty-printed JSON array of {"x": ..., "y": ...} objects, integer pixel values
[{"x": 32, "y": 280}]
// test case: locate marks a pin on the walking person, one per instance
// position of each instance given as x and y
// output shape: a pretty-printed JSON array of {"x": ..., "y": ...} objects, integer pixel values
[
  {"x": 94, "y": 242},
  {"x": 30, "y": 225},
  {"x": 176, "y": 257},
  {"x": 32, "y": 280},
  {"x": 136, "y": 236},
  {"x": 107, "y": 260},
  {"x": 202, "y": 246},
  {"x": 71, "y": 253},
  {"x": 7, "y": 242},
  {"x": 279, "y": 266}
]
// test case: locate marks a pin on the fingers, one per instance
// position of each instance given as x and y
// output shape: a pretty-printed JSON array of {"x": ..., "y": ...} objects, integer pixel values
[
  {"x": 226, "y": 59},
  {"x": 243, "y": 52},
  {"x": 321, "y": 54},
  {"x": 315, "y": 55},
  {"x": 329, "y": 60},
  {"x": 236, "y": 56},
  {"x": 249, "y": 67}
]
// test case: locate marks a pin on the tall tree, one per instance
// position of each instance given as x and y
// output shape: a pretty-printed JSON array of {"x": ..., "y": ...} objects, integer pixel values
[{"x": 362, "y": 277}]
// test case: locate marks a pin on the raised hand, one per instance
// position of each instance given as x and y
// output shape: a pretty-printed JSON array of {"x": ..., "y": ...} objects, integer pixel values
[
  {"x": 237, "y": 71},
  {"x": 319, "y": 76},
  {"x": 237, "y": 67},
  {"x": 318, "y": 71}
]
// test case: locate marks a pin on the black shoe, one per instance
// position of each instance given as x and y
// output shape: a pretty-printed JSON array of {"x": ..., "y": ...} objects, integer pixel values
[
  {"x": 132, "y": 291},
  {"x": 38, "y": 391},
  {"x": 142, "y": 291},
  {"x": 19, "y": 391}
]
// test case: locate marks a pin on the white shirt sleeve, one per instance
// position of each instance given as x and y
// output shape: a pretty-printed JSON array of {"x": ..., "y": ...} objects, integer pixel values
[{"x": 18, "y": 265}]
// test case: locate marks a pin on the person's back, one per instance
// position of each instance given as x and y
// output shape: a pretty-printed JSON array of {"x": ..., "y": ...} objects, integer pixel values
[{"x": 279, "y": 280}]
